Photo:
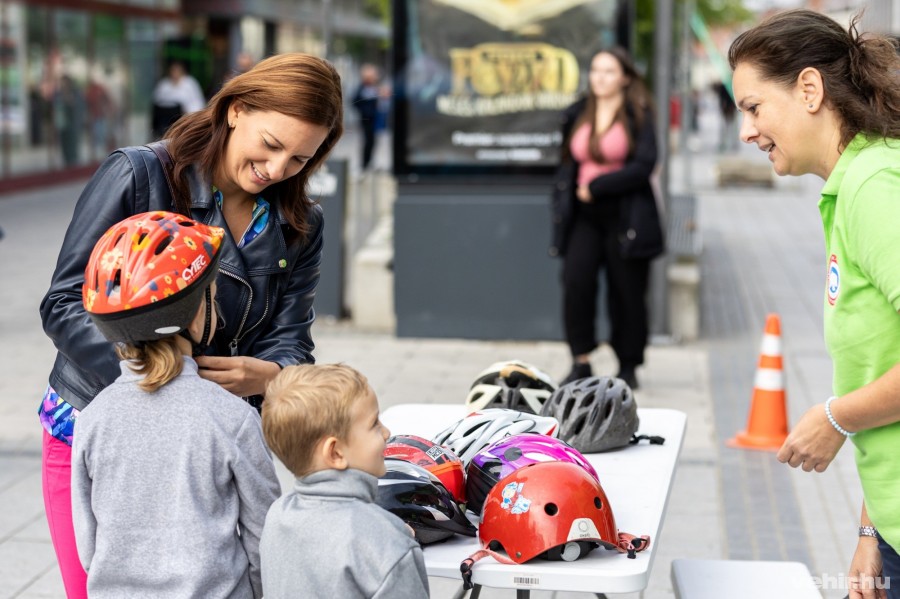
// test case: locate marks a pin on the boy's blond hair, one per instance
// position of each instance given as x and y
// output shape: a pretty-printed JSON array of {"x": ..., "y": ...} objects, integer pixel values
[{"x": 306, "y": 403}]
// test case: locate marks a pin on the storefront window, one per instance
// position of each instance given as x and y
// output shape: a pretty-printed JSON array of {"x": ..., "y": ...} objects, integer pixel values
[
  {"x": 75, "y": 82},
  {"x": 69, "y": 68}
]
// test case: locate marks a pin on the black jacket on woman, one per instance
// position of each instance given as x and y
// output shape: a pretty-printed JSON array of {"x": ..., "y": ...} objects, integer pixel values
[
  {"x": 639, "y": 226},
  {"x": 264, "y": 292}
]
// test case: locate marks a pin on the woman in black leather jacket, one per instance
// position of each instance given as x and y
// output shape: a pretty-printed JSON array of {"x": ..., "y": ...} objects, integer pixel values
[
  {"x": 242, "y": 164},
  {"x": 605, "y": 213}
]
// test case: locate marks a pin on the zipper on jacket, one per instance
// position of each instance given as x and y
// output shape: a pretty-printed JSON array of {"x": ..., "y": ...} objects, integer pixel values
[{"x": 233, "y": 345}]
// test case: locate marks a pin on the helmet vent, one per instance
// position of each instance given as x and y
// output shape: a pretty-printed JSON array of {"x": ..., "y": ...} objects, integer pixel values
[
  {"x": 163, "y": 245},
  {"x": 607, "y": 410},
  {"x": 512, "y": 454},
  {"x": 567, "y": 410},
  {"x": 116, "y": 284},
  {"x": 578, "y": 425},
  {"x": 588, "y": 399},
  {"x": 597, "y": 503},
  {"x": 551, "y": 509}
]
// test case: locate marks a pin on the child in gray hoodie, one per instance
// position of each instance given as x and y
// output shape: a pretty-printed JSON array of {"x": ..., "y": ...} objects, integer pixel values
[
  {"x": 171, "y": 478},
  {"x": 328, "y": 538}
]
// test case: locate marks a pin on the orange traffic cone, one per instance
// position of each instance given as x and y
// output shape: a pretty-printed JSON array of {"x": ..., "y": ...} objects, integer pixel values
[{"x": 767, "y": 423}]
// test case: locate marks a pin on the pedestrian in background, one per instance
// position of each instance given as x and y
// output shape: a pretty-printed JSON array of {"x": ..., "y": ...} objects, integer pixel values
[
  {"x": 171, "y": 499},
  {"x": 365, "y": 100},
  {"x": 823, "y": 100},
  {"x": 242, "y": 164},
  {"x": 728, "y": 139},
  {"x": 175, "y": 95},
  {"x": 605, "y": 215},
  {"x": 323, "y": 423}
]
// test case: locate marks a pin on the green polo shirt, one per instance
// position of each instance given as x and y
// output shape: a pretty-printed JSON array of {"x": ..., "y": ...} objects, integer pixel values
[{"x": 860, "y": 209}]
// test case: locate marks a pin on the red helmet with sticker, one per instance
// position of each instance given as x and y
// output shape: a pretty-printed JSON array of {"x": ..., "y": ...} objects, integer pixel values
[
  {"x": 147, "y": 275},
  {"x": 440, "y": 461},
  {"x": 555, "y": 510}
]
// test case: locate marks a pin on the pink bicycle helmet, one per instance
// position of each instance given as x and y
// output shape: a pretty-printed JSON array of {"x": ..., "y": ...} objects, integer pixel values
[{"x": 503, "y": 457}]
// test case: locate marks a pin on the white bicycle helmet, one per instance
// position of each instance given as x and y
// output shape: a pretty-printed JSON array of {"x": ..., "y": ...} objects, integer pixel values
[
  {"x": 513, "y": 385},
  {"x": 479, "y": 429}
]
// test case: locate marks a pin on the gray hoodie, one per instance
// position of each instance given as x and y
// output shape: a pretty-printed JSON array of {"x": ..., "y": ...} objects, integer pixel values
[
  {"x": 329, "y": 539},
  {"x": 170, "y": 490}
]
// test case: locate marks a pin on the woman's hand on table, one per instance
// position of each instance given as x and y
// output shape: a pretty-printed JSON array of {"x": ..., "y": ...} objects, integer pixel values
[
  {"x": 812, "y": 443},
  {"x": 242, "y": 375}
]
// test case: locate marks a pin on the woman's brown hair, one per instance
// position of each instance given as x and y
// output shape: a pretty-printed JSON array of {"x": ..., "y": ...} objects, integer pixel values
[
  {"x": 632, "y": 112},
  {"x": 861, "y": 72},
  {"x": 295, "y": 84}
]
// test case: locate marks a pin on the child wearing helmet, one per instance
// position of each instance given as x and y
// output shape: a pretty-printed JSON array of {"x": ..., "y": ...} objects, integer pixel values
[
  {"x": 329, "y": 535},
  {"x": 171, "y": 502}
]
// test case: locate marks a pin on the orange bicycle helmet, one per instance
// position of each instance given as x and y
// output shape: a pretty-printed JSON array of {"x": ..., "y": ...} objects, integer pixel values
[{"x": 148, "y": 274}]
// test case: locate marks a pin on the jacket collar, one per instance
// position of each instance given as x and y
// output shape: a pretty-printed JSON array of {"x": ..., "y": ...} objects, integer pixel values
[
  {"x": 338, "y": 484},
  {"x": 255, "y": 258},
  {"x": 201, "y": 195}
]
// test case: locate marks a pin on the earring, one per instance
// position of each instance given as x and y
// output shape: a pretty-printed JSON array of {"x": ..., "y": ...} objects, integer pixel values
[
  {"x": 810, "y": 105},
  {"x": 231, "y": 125}
]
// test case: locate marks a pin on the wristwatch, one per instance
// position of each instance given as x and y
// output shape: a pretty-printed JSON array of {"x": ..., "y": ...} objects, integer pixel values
[{"x": 868, "y": 531}]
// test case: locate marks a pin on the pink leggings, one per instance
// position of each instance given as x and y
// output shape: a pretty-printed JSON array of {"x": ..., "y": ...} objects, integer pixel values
[{"x": 57, "y": 471}]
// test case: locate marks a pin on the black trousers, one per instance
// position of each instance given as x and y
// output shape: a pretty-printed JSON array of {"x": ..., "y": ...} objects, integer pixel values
[
  {"x": 890, "y": 564},
  {"x": 368, "y": 131},
  {"x": 593, "y": 248}
]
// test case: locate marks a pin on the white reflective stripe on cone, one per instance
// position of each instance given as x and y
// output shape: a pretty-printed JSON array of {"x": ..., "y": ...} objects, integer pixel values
[
  {"x": 771, "y": 345},
  {"x": 769, "y": 379}
]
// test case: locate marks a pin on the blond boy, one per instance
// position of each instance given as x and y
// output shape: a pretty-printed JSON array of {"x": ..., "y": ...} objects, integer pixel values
[{"x": 328, "y": 538}]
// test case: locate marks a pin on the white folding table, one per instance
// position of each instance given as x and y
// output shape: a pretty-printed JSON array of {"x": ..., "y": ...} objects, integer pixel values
[{"x": 637, "y": 481}]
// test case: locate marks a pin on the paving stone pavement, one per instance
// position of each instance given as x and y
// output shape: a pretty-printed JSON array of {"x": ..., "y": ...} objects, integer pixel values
[{"x": 763, "y": 252}]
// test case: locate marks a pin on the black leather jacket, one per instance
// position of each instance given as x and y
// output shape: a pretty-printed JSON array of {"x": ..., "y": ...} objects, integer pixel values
[{"x": 265, "y": 290}]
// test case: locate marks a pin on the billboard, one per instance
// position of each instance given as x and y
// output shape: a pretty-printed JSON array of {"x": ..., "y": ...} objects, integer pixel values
[{"x": 480, "y": 84}]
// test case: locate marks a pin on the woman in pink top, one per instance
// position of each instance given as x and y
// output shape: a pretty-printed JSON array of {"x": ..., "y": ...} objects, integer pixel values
[{"x": 605, "y": 214}]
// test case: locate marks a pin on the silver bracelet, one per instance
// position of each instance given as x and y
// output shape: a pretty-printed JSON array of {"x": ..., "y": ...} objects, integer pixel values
[
  {"x": 831, "y": 419},
  {"x": 868, "y": 531}
]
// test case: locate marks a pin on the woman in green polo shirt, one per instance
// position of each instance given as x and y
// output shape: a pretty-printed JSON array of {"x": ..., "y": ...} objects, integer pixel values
[{"x": 823, "y": 100}]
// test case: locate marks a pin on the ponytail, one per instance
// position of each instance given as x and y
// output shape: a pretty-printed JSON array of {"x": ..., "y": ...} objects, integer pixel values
[{"x": 159, "y": 361}]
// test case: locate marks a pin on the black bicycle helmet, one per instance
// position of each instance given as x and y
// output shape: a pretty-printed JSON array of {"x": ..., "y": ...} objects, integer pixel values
[
  {"x": 594, "y": 413},
  {"x": 420, "y": 499},
  {"x": 512, "y": 385}
]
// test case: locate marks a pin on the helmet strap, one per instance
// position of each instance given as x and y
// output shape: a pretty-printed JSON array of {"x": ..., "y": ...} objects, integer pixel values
[
  {"x": 631, "y": 544},
  {"x": 653, "y": 439},
  {"x": 198, "y": 349},
  {"x": 465, "y": 567}
]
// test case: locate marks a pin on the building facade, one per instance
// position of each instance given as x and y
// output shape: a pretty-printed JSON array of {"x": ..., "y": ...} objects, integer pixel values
[{"x": 76, "y": 76}]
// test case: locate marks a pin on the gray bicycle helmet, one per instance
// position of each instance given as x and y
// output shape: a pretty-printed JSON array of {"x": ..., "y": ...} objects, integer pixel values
[{"x": 595, "y": 414}]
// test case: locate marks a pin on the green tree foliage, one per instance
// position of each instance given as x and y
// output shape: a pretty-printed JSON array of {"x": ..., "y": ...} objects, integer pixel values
[
  {"x": 380, "y": 9},
  {"x": 714, "y": 12}
]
